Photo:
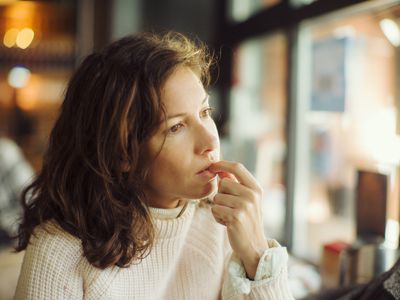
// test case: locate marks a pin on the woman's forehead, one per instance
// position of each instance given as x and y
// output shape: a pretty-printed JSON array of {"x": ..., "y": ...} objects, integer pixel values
[{"x": 183, "y": 89}]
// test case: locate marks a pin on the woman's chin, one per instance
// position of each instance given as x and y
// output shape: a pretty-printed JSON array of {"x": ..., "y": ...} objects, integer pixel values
[
  {"x": 210, "y": 189},
  {"x": 204, "y": 191}
]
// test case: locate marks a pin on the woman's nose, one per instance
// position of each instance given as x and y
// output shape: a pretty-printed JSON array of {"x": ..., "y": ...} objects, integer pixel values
[{"x": 207, "y": 140}]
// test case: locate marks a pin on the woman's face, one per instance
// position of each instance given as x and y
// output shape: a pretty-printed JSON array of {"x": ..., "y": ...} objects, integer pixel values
[{"x": 191, "y": 144}]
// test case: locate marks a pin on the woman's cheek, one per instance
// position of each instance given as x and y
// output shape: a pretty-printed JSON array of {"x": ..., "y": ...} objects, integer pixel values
[{"x": 177, "y": 139}]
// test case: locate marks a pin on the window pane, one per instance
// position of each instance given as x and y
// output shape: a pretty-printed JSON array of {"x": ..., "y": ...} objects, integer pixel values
[
  {"x": 348, "y": 129},
  {"x": 241, "y": 10},
  {"x": 257, "y": 127}
]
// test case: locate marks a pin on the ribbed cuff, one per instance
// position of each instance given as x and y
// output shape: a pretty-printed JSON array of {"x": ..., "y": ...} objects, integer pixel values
[{"x": 270, "y": 282}]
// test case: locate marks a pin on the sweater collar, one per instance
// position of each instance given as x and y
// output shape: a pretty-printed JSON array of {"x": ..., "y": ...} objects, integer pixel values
[
  {"x": 167, "y": 213},
  {"x": 168, "y": 225}
]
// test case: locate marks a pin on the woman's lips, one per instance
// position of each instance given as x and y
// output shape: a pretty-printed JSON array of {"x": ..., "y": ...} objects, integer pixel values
[{"x": 207, "y": 174}]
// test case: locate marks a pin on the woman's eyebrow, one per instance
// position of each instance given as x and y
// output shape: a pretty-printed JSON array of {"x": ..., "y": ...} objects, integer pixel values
[{"x": 183, "y": 114}]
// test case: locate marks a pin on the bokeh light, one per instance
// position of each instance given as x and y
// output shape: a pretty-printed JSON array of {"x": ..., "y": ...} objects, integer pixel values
[
  {"x": 10, "y": 37},
  {"x": 18, "y": 77},
  {"x": 391, "y": 31},
  {"x": 25, "y": 38}
]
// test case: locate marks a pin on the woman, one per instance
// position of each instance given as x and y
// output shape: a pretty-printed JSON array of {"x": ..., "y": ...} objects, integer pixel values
[{"x": 115, "y": 212}]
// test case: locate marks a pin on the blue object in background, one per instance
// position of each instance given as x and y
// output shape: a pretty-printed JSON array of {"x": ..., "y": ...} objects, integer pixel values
[{"x": 328, "y": 75}]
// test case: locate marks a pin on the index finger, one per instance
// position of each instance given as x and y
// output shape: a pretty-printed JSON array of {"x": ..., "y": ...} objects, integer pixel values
[{"x": 238, "y": 170}]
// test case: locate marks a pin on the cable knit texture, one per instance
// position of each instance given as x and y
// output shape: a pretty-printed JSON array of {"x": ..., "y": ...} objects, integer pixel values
[{"x": 191, "y": 259}]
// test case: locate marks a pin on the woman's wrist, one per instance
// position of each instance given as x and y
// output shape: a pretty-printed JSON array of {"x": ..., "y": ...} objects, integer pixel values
[{"x": 252, "y": 258}]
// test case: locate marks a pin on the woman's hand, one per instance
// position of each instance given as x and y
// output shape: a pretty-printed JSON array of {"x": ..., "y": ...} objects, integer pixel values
[{"x": 237, "y": 206}]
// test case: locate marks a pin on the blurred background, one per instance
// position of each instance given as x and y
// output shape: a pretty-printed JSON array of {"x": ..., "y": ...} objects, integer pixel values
[{"x": 307, "y": 94}]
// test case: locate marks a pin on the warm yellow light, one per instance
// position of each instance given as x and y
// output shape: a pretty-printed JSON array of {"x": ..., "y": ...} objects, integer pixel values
[
  {"x": 25, "y": 38},
  {"x": 21, "y": 14},
  {"x": 28, "y": 96},
  {"x": 7, "y": 2},
  {"x": 27, "y": 102},
  {"x": 10, "y": 37}
]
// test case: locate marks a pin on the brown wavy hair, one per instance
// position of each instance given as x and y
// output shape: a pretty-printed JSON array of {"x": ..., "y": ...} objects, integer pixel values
[{"x": 111, "y": 108}]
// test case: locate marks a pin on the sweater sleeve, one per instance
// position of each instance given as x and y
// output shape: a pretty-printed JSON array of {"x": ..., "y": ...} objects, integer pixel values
[
  {"x": 270, "y": 282},
  {"x": 50, "y": 267}
]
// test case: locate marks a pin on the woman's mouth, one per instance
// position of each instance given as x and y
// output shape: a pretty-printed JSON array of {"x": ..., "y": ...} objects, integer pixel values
[{"x": 206, "y": 173}]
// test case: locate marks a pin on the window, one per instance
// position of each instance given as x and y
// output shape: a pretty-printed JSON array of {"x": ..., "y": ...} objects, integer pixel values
[
  {"x": 347, "y": 124},
  {"x": 258, "y": 118},
  {"x": 240, "y": 10}
]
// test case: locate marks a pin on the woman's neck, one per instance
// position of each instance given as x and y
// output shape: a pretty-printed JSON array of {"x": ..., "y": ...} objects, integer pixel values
[
  {"x": 170, "y": 213},
  {"x": 175, "y": 204},
  {"x": 158, "y": 202}
]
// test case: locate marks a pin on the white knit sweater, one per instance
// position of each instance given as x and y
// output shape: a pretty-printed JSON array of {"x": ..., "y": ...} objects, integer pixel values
[{"x": 191, "y": 259}]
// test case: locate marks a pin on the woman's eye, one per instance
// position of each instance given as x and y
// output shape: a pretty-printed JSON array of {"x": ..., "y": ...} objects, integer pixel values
[
  {"x": 207, "y": 112},
  {"x": 175, "y": 128}
]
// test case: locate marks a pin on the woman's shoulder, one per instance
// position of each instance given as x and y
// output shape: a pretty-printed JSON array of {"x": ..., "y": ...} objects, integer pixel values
[
  {"x": 51, "y": 240},
  {"x": 52, "y": 265}
]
